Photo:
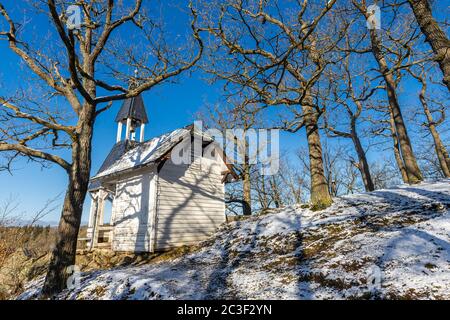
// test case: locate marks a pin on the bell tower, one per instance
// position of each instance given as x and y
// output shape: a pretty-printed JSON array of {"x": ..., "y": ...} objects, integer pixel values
[{"x": 132, "y": 115}]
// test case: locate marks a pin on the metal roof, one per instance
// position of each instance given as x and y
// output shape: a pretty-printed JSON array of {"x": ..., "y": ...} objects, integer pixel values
[
  {"x": 117, "y": 151},
  {"x": 126, "y": 156},
  {"x": 133, "y": 108}
]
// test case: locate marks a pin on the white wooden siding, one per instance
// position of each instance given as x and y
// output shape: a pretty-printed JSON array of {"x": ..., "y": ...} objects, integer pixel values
[
  {"x": 132, "y": 212},
  {"x": 190, "y": 202},
  {"x": 180, "y": 205}
]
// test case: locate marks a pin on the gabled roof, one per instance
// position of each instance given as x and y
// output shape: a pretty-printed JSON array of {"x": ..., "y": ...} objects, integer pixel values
[
  {"x": 117, "y": 151},
  {"x": 142, "y": 153},
  {"x": 133, "y": 108},
  {"x": 135, "y": 155}
]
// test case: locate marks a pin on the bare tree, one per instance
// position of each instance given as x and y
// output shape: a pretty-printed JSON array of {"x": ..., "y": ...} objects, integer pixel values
[
  {"x": 396, "y": 145},
  {"x": 385, "y": 127},
  {"x": 384, "y": 174},
  {"x": 429, "y": 161},
  {"x": 339, "y": 169},
  {"x": 8, "y": 211},
  {"x": 432, "y": 124},
  {"x": 280, "y": 55},
  {"x": 21, "y": 235},
  {"x": 262, "y": 197},
  {"x": 434, "y": 35},
  {"x": 235, "y": 118},
  {"x": 75, "y": 73},
  {"x": 276, "y": 191},
  {"x": 402, "y": 50},
  {"x": 294, "y": 183},
  {"x": 351, "y": 182},
  {"x": 350, "y": 94}
]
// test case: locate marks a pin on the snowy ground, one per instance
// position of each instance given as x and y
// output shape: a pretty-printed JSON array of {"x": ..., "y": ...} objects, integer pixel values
[{"x": 391, "y": 244}]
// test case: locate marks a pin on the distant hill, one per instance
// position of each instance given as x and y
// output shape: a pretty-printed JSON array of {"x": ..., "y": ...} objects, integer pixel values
[{"x": 43, "y": 223}]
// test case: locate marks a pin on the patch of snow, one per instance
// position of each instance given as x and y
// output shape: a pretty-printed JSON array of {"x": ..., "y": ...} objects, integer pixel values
[
  {"x": 146, "y": 152},
  {"x": 392, "y": 243}
]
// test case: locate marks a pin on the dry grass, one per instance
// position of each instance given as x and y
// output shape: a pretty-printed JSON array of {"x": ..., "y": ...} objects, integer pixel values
[
  {"x": 99, "y": 259},
  {"x": 24, "y": 254}
]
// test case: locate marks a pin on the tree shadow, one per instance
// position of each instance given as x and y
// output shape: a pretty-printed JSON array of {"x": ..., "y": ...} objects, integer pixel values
[
  {"x": 195, "y": 192},
  {"x": 408, "y": 241},
  {"x": 234, "y": 256}
]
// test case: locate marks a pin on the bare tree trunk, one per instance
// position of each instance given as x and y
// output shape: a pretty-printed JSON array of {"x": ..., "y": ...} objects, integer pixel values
[
  {"x": 410, "y": 163},
  {"x": 363, "y": 165},
  {"x": 397, "y": 151},
  {"x": 320, "y": 196},
  {"x": 294, "y": 190},
  {"x": 63, "y": 255},
  {"x": 434, "y": 35},
  {"x": 263, "y": 198},
  {"x": 441, "y": 151},
  {"x": 246, "y": 185},
  {"x": 276, "y": 193}
]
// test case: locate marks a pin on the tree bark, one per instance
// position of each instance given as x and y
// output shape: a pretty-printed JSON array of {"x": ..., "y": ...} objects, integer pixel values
[
  {"x": 320, "y": 196},
  {"x": 246, "y": 185},
  {"x": 263, "y": 194},
  {"x": 410, "y": 163},
  {"x": 276, "y": 193},
  {"x": 434, "y": 35},
  {"x": 441, "y": 151},
  {"x": 397, "y": 151},
  {"x": 64, "y": 253},
  {"x": 363, "y": 165}
]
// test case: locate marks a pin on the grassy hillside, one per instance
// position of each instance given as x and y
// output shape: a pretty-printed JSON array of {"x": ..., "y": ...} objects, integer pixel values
[{"x": 389, "y": 244}]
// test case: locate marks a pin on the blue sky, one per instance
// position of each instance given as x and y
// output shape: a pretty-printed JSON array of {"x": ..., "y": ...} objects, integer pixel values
[{"x": 169, "y": 106}]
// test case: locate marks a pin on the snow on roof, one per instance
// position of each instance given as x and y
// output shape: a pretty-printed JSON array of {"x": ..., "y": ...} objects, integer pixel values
[
  {"x": 144, "y": 153},
  {"x": 116, "y": 152}
]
